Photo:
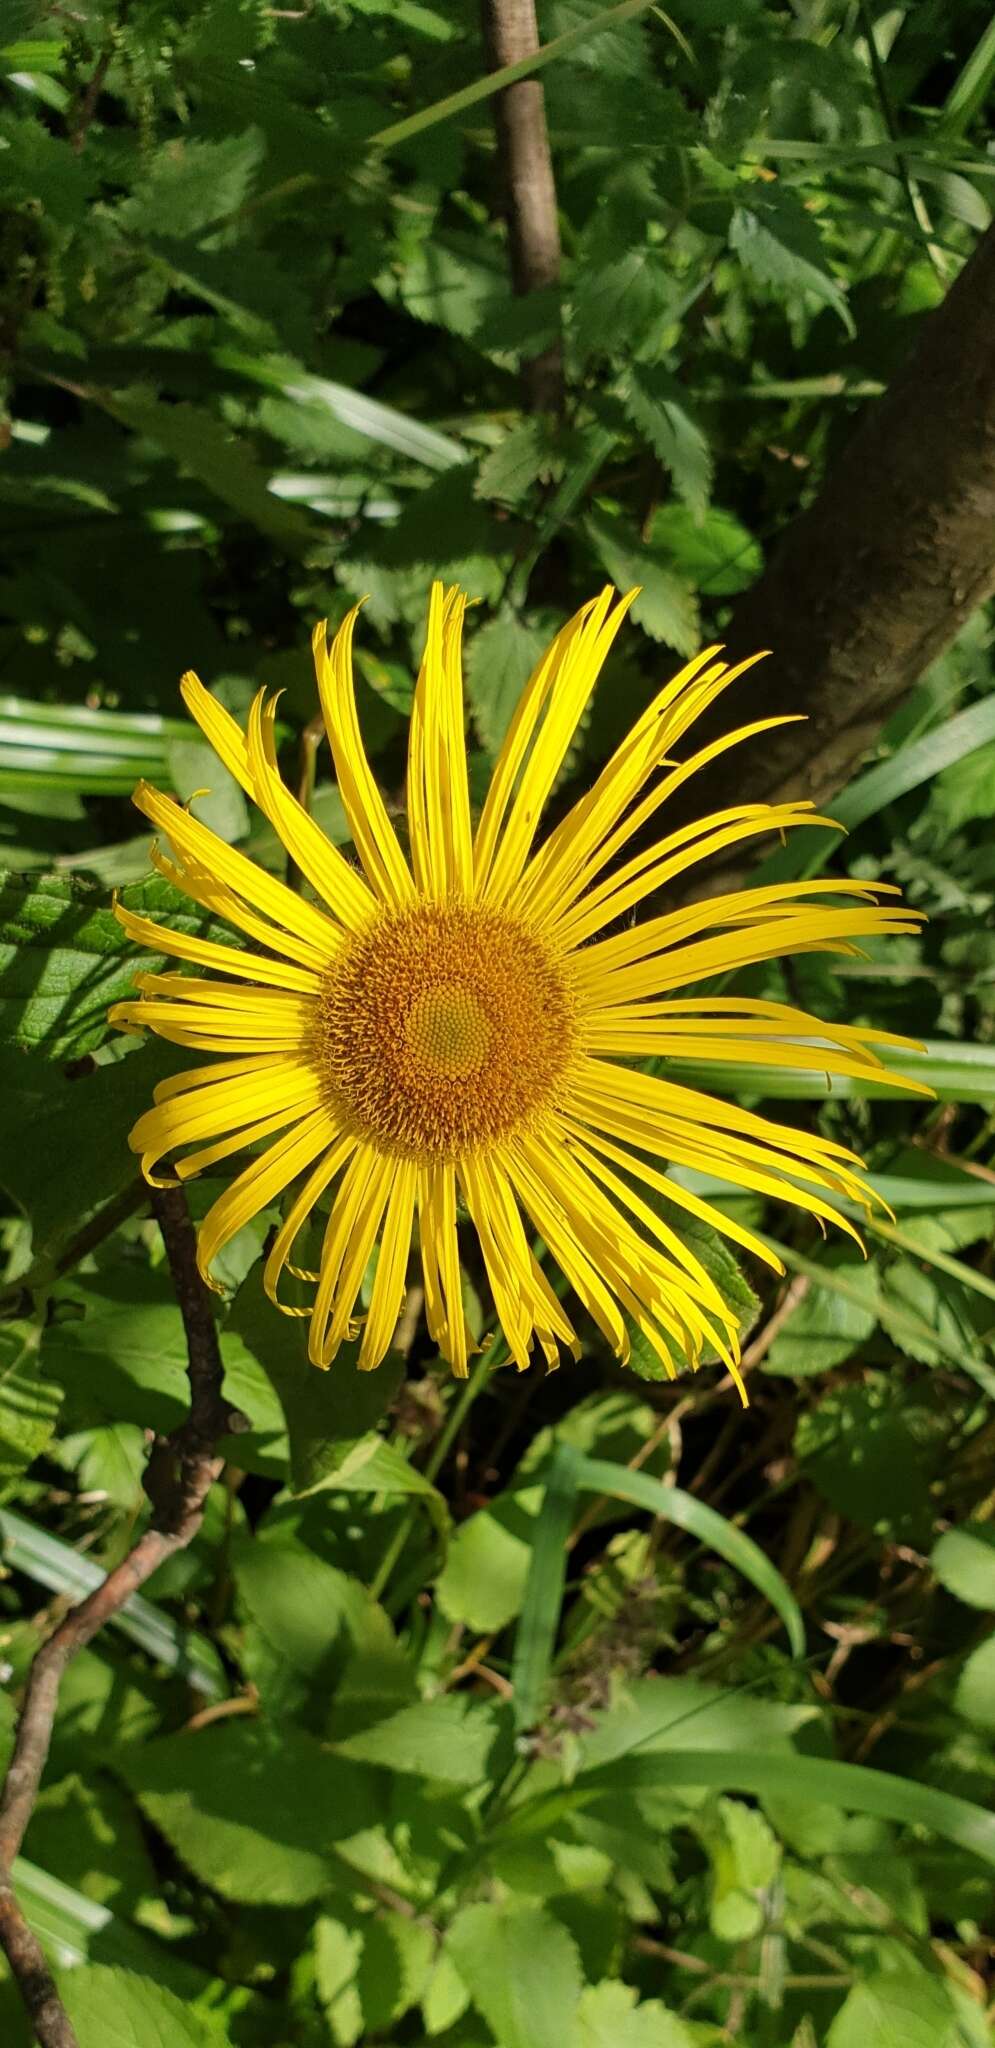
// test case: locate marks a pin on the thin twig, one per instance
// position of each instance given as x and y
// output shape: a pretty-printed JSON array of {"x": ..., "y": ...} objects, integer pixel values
[
  {"x": 180, "y": 1474},
  {"x": 511, "y": 34}
]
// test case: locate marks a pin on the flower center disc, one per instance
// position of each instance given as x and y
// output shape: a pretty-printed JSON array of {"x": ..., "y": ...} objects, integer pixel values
[{"x": 442, "y": 1028}]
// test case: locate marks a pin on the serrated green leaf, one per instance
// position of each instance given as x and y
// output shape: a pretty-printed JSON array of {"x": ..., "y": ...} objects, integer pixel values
[
  {"x": 826, "y": 1328},
  {"x": 370, "y": 1969},
  {"x": 29, "y": 1405},
  {"x": 665, "y": 607},
  {"x": 714, "y": 550},
  {"x": 500, "y": 659},
  {"x": 897, "y": 2009},
  {"x": 781, "y": 249},
  {"x": 114, "y": 2008},
  {"x": 610, "y": 2017},
  {"x": 510, "y": 470},
  {"x": 229, "y": 1801},
  {"x": 657, "y": 405},
  {"x": 449, "y": 1739},
  {"x": 618, "y": 303},
  {"x": 192, "y": 183},
  {"x": 872, "y": 1450},
  {"x": 305, "y": 1620},
  {"x": 522, "y": 1971},
  {"x": 64, "y": 958}
]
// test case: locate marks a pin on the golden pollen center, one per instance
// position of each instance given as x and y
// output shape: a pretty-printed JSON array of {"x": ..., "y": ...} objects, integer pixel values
[{"x": 443, "y": 1028}]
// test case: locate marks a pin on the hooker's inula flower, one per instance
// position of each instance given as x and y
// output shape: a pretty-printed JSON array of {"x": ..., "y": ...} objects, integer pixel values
[{"x": 466, "y": 1023}]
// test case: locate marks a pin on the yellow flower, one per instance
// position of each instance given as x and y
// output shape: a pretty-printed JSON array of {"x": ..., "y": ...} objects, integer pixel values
[{"x": 465, "y": 1023}]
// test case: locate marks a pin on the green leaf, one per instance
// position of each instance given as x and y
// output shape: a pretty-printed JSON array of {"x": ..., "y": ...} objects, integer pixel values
[
  {"x": 254, "y": 1812},
  {"x": 825, "y": 1329},
  {"x": 113, "y": 2008},
  {"x": 618, "y": 303},
  {"x": 374, "y": 1466},
  {"x": 69, "y": 747},
  {"x": 657, "y": 405},
  {"x": 781, "y": 249},
  {"x": 665, "y": 607},
  {"x": 714, "y": 551},
  {"x": 370, "y": 1969},
  {"x": 304, "y": 1620},
  {"x": 87, "y": 1829},
  {"x": 449, "y": 1739},
  {"x": 974, "y": 1697},
  {"x": 611, "y": 2018},
  {"x": 903, "y": 2008},
  {"x": 500, "y": 659},
  {"x": 964, "y": 1562},
  {"x": 326, "y": 1413},
  {"x": 522, "y": 1971},
  {"x": 99, "y": 1108},
  {"x": 29, "y": 1405},
  {"x": 190, "y": 184},
  {"x": 455, "y": 281},
  {"x": 124, "y": 1359},
  {"x": 510, "y": 470},
  {"x": 482, "y": 1583}
]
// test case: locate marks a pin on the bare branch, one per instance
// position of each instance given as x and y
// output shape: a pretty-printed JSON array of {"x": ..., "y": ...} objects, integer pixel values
[{"x": 180, "y": 1474}]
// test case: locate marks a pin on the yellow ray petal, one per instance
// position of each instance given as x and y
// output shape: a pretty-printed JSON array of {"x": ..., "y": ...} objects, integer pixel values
[
  {"x": 194, "y": 842},
  {"x": 646, "y": 748},
  {"x": 326, "y": 868},
  {"x": 159, "y": 938},
  {"x": 258, "y": 1184},
  {"x": 438, "y": 789},
  {"x": 297, "y": 1215},
  {"x": 373, "y": 834},
  {"x": 392, "y": 1266},
  {"x": 567, "y": 685},
  {"x": 657, "y": 865},
  {"x": 441, "y": 1267}
]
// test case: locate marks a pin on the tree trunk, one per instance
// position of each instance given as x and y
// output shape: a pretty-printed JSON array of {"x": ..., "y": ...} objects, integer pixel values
[
  {"x": 511, "y": 33},
  {"x": 878, "y": 575}
]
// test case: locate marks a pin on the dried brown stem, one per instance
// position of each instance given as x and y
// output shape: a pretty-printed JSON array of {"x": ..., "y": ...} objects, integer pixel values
[
  {"x": 180, "y": 1474},
  {"x": 511, "y": 33}
]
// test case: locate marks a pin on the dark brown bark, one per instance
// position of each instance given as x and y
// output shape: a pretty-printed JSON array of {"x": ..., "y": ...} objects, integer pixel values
[
  {"x": 880, "y": 573},
  {"x": 511, "y": 33},
  {"x": 181, "y": 1471}
]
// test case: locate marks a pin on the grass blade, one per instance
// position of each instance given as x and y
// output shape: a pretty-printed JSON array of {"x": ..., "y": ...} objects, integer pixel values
[
  {"x": 536, "y": 1633},
  {"x": 56, "y": 1565},
  {"x": 853, "y": 1786}
]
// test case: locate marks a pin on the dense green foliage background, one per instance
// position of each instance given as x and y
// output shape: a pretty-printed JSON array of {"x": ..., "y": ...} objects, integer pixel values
[{"x": 263, "y": 357}]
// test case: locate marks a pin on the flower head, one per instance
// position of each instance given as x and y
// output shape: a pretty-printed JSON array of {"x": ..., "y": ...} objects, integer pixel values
[{"x": 465, "y": 1023}]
